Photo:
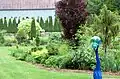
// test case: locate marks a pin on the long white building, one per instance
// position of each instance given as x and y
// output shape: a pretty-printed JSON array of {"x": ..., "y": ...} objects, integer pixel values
[{"x": 27, "y": 8}]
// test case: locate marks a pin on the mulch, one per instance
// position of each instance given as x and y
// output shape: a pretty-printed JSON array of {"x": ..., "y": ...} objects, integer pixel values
[{"x": 74, "y": 71}]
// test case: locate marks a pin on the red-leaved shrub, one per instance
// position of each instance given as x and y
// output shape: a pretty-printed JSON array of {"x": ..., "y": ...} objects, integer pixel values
[{"x": 72, "y": 13}]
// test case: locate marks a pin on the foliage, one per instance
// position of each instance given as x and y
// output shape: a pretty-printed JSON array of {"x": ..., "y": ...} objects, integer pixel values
[
  {"x": 29, "y": 58},
  {"x": 40, "y": 55},
  {"x": 57, "y": 25},
  {"x": 71, "y": 13},
  {"x": 106, "y": 25},
  {"x": 14, "y": 26},
  {"x": 47, "y": 25},
  {"x": 2, "y": 37},
  {"x": 21, "y": 36},
  {"x": 54, "y": 43},
  {"x": 43, "y": 40},
  {"x": 55, "y": 37},
  {"x": 116, "y": 5},
  {"x": 94, "y": 6},
  {"x": 1, "y": 24},
  {"x": 113, "y": 5},
  {"x": 33, "y": 29},
  {"x": 63, "y": 55},
  {"x": 24, "y": 28},
  {"x": 112, "y": 59},
  {"x": 37, "y": 39},
  {"x": 10, "y": 26},
  {"x": 58, "y": 61},
  {"x": 74, "y": 60},
  {"x": 18, "y": 21},
  {"x": 38, "y": 20},
  {"x": 18, "y": 53},
  {"x": 52, "y": 48},
  {"x": 5, "y": 24},
  {"x": 50, "y": 24},
  {"x": 53, "y": 51},
  {"x": 83, "y": 59},
  {"x": 10, "y": 40},
  {"x": 42, "y": 24},
  {"x": 63, "y": 49}
]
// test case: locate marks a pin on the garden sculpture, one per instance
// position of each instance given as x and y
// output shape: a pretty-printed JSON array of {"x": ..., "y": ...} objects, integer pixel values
[{"x": 96, "y": 41}]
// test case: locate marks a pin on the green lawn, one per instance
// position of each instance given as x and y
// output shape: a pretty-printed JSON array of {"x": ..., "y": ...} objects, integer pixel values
[{"x": 15, "y": 69}]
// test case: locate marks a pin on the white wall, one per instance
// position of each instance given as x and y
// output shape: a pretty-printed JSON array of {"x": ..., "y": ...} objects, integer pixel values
[{"x": 27, "y": 13}]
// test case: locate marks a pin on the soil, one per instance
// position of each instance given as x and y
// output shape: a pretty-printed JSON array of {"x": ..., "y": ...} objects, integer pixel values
[{"x": 74, "y": 71}]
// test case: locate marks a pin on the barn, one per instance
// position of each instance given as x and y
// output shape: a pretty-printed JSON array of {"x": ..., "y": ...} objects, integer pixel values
[{"x": 27, "y": 8}]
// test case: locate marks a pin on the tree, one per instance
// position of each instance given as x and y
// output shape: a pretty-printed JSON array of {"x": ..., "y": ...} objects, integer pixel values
[
  {"x": 38, "y": 19},
  {"x": 42, "y": 24},
  {"x": 24, "y": 28},
  {"x": 18, "y": 21},
  {"x": 37, "y": 40},
  {"x": 46, "y": 25},
  {"x": 33, "y": 29},
  {"x": 50, "y": 24},
  {"x": 5, "y": 23},
  {"x": 94, "y": 6},
  {"x": 1, "y": 24},
  {"x": 107, "y": 25},
  {"x": 110, "y": 4},
  {"x": 57, "y": 25},
  {"x": 72, "y": 14},
  {"x": 23, "y": 18},
  {"x": 9, "y": 28},
  {"x": 14, "y": 25},
  {"x": 117, "y": 5}
]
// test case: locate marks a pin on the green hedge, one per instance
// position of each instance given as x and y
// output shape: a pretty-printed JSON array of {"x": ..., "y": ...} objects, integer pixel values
[{"x": 49, "y": 25}]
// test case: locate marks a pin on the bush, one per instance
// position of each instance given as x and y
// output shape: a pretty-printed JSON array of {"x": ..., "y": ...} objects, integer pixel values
[
  {"x": 1, "y": 24},
  {"x": 63, "y": 49},
  {"x": 44, "y": 40},
  {"x": 37, "y": 40},
  {"x": 54, "y": 43},
  {"x": 57, "y": 25},
  {"x": 83, "y": 59},
  {"x": 58, "y": 61},
  {"x": 52, "y": 49},
  {"x": 33, "y": 29},
  {"x": 29, "y": 58},
  {"x": 112, "y": 61},
  {"x": 2, "y": 37},
  {"x": 24, "y": 28},
  {"x": 55, "y": 36},
  {"x": 10, "y": 40},
  {"x": 71, "y": 13},
  {"x": 39, "y": 54},
  {"x": 51, "y": 61},
  {"x": 18, "y": 54}
]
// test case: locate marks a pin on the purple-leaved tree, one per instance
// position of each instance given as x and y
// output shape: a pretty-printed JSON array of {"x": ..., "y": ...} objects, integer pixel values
[{"x": 72, "y": 13}]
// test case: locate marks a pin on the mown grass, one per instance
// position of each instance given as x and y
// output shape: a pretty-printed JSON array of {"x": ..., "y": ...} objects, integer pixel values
[{"x": 10, "y": 68}]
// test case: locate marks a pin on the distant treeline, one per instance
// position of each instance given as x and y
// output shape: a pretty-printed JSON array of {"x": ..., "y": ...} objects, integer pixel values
[{"x": 11, "y": 24}]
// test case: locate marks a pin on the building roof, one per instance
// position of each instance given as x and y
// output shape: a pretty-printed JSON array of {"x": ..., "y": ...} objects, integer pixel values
[{"x": 27, "y": 4}]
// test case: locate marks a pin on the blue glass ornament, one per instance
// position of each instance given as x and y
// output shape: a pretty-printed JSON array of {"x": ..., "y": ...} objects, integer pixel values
[{"x": 96, "y": 41}]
